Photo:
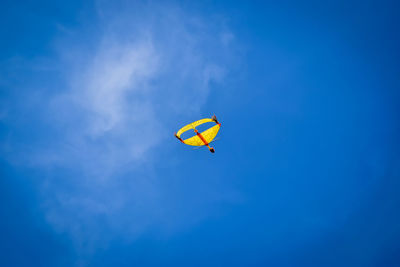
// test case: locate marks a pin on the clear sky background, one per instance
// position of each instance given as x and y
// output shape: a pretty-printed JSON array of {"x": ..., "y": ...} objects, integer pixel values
[{"x": 306, "y": 170}]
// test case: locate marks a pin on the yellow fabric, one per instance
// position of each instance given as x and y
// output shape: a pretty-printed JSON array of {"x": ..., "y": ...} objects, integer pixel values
[
  {"x": 208, "y": 135},
  {"x": 194, "y": 141},
  {"x": 192, "y": 126}
]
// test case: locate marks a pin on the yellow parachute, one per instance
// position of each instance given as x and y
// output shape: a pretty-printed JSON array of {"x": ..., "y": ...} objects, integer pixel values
[{"x": 203, "y": 138}]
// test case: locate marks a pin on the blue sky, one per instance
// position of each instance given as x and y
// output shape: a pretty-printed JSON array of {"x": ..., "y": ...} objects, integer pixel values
[{"x": 306, "y": 170}]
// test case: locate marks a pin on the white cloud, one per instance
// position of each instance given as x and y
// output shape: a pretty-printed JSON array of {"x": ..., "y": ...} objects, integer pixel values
[
  {"x": 119, "y": 90},
  {"x": 142, "y": 67}
]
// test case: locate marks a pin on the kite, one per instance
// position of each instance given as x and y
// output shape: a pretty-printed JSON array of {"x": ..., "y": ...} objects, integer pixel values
[{"x": 200, "y": 139}]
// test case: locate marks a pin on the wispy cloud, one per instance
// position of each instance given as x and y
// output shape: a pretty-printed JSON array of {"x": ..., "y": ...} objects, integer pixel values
[
  {"x": 117, "y": 86},
  {"x": 139, "y": 69}
]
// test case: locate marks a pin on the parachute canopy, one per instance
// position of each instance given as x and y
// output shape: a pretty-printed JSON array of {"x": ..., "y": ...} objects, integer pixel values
[{"x": 200, "y": 139}]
